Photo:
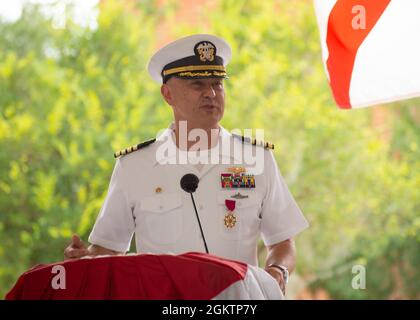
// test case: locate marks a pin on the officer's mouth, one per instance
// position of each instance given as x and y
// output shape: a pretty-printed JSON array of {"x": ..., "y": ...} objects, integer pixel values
[{"x": 209, "y": 107}]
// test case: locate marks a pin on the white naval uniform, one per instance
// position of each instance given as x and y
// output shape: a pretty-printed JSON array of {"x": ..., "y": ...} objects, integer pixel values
[{"x": 165, "y": 221}]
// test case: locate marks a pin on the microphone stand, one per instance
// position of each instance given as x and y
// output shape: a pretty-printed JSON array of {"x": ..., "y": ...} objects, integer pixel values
[{"x": 199, "y": 223}]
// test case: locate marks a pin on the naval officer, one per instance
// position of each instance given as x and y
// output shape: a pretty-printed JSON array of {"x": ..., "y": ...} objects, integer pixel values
[{"x": 234, "y": 204}]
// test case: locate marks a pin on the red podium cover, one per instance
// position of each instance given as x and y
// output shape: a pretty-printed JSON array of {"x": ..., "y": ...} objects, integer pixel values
[{"x": 146, "y": 276}]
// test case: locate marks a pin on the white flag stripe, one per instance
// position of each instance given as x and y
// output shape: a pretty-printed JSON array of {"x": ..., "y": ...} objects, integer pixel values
[
  {"x": 257, "y": 285},
  {"x": 387, "y": 66},
  {"x": 322, "y": 11},
  {"x": 375, "y": 65}
]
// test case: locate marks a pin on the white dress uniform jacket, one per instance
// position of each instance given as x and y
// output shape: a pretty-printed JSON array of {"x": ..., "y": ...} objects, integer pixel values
[{"x": 145, "y": 198}]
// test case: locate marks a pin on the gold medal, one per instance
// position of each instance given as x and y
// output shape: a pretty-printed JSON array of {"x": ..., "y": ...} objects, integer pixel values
[{"x": 230, "y": 220}]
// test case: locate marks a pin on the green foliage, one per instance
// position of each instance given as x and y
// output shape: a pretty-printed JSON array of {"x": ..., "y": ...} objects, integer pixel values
[{"x": 71, "y": 96}]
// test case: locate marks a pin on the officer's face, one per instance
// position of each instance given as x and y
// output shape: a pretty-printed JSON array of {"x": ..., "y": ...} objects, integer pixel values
[{"x": 199, "y": 101}]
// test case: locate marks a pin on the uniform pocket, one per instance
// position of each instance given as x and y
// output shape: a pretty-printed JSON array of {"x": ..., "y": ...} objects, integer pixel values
[
  {"x": 246, "y": 212},
  {"x": 163, "y": 217}
]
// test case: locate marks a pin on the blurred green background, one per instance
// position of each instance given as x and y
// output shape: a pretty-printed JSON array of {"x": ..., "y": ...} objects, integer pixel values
[{"x": 71, "y": 95}]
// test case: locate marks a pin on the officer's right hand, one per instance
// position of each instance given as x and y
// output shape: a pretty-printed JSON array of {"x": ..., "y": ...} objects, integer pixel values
[{"x": 76, "y": 249}]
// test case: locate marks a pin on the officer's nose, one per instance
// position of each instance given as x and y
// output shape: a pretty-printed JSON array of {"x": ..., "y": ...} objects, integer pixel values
[{"x": 209, "y": 91}]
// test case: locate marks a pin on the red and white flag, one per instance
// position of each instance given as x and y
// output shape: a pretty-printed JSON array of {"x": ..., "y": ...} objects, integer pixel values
[
  {"x": 189, "y": 276},
  {"x": 371, "y": 49}
]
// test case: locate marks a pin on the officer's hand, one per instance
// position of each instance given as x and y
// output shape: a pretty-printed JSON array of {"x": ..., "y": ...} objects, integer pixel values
[
  {"x": 76, "y": 249},
  {"x": 278, "y": 275}
]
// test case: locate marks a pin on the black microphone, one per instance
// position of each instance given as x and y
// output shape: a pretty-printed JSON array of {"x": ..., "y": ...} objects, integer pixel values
[{"x": 189, "y": 184}]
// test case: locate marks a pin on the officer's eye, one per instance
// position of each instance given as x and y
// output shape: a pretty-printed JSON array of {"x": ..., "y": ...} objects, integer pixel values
[
  {"x": 197, "y": 84},
  {"x": 218, "y": 85}
]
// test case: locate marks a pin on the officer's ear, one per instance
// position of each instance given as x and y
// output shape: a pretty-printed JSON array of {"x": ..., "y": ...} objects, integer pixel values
[{"x": 166, "y": 93}]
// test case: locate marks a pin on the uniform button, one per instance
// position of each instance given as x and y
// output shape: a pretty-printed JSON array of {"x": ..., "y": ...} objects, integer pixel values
[
  {"x": 160, "y": 207},
  {"x": 201, "y": 206}
]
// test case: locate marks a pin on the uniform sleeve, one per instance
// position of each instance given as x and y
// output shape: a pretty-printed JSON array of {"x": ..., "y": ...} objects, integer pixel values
[
  {"x": 281, "y": 217},
  {"x": 114, "y": 226}
]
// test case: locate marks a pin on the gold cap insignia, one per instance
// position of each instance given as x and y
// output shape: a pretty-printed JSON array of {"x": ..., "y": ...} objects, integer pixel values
[{"x": 205, "y": 50}]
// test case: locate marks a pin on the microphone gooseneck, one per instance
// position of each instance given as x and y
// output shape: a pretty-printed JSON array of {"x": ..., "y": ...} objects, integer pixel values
[{"x": 189, "y": 184}]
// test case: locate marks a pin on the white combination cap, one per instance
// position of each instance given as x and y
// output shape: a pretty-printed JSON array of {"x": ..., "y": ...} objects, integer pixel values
[{"x": 195, "y": 56}]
